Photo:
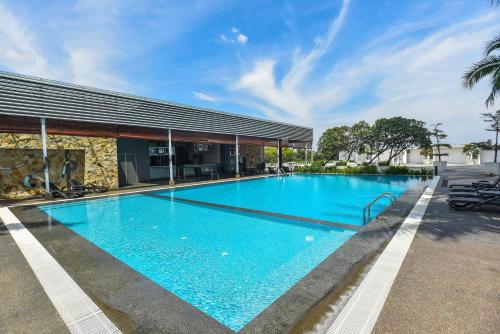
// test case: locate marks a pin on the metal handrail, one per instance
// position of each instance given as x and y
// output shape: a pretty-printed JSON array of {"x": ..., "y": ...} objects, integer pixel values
[{"x": 392, "y": 198}]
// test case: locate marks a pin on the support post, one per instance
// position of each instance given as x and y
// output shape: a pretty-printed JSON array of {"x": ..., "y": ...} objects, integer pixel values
[
  {"x": 171, "y": 181},
  {"x": 305, "y": 153},
  {"x": 48, "y": 195},
  {"x": 237, "y": 157},
  {"x": 312, "y": 155},
  {"x": 280, "y": 155}
]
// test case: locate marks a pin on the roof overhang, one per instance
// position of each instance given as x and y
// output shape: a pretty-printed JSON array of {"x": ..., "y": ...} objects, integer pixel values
[{"x": 23, "y": 96}]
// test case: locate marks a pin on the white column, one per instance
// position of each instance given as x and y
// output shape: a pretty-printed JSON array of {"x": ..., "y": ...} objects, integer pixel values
[
  {"x": 305, "y": 153},
  {"x": 170, "y": 166},
  {"x": 45, "y": 160},
  {"x": 237, "y": 156},
  {"x": 278, "y": 151}
]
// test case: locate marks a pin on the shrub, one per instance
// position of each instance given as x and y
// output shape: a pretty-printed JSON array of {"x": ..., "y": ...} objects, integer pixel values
[
  {"x": 397, "y": 170},
  {"x": 358, "y": 170},
  {"x": 341, "y": 163},
  {"x": 383, "y": 163},
  {"x": 365, "y": 169}
]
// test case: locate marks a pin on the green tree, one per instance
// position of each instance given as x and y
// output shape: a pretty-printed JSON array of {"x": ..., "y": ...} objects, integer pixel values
[
  {"x": 489, "y": 66},
  {"x": 395, "y": 135},
  {"x": 270, "y": 154},
  {"x": 471, "y": 150},
  {"x": 332, "y": 142},
  {"x": 427, "y": 152},
  {"x": 493, "y": 119},
  {"x": 438, "y": 135},
  {"x": 357, "y": 137},
  {"x": 288, "y": 154}
]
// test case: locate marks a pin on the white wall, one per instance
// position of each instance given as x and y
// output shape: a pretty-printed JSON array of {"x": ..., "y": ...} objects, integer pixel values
[
  {"x": 456, "y": 156},
  {"x": 414, "y": 157},
  {"x": 488, "y": 156}
]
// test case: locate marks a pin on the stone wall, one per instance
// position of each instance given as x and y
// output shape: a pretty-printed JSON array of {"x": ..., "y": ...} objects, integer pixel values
[{"x": 21, "y": 154}]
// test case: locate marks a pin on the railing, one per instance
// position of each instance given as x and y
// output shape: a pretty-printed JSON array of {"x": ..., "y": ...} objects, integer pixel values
[
  {"x": 280, "y": 171},
  {"x": 368, "y": 207}
]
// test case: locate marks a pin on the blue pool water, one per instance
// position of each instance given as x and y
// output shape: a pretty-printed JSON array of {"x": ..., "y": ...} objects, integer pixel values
[
  {"x": 228, "y": 264},
  {"x": 335, "y": 198}
]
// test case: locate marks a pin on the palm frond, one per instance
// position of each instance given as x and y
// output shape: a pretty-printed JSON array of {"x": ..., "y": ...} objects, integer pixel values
[
  {"x": 492, "y": 45},
  {"x": 495, "y": 2},
  {"x": 495, "y": 88},
  {"x": 480, "y": 70}
]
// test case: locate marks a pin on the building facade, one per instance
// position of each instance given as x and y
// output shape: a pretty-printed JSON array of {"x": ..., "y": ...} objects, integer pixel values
[{"x": 114, "y": 139}]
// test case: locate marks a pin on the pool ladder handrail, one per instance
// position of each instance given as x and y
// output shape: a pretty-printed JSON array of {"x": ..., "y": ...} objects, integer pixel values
[
  {"x": 280, "y": 171},
  {"x": 392, "y": 198}
]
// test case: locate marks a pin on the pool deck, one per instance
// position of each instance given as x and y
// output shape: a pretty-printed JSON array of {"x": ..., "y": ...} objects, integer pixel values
[
  {"x": 450, "y": 279},
  {"x": 451, "y": 276},
  {"x": 25, "y": 306}
]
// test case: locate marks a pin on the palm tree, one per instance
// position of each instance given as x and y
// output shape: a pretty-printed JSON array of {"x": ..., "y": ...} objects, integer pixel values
[
  {"x": 488, "y": 66},
  {"x": 493, "y": 119}
]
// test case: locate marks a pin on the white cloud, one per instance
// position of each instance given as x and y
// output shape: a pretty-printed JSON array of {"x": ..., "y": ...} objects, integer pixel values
[
  {"x": 84, "y": 53},
  {"x": 205, "y": 96},
  {"x": 290, "y": 95},
  {"x": 236, "y": 37},
  {"x": 88, "y": 66},
  {"x": 242, "y": 39},
  {"x": 420, "y": 80},
  {"x": 18, "y": 49}
]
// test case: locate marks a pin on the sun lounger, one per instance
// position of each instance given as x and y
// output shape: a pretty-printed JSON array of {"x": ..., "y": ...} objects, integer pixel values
[
  {"x": 475, "y": 199},
  {"x": 56, "y": 192},
  {"x": 477, "y": 184},
  {"x": 477, "y": 193},
  {"x": 472, "y": 202},
  {"x": 34, "y": 181},
  {"x": 75, "y": 185}
]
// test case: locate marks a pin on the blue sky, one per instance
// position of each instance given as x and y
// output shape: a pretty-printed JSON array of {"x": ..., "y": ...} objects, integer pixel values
[{"x": 314, "y": 63}]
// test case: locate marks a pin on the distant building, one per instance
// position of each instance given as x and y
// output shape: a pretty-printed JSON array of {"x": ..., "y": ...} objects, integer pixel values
[{"x": 413, "y": 157}]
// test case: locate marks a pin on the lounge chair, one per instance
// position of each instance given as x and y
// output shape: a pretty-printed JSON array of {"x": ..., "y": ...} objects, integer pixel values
[
  {"x": 474, "y": 199},
  {"x": 486, "y": 193},
  {"x": 472, "y": 202},
  {"x": 33, "y": 181},
  {"x": 55, "y": 191},
  {"x": 76, "y": 186},
  {"x": 477, "y": 184}
]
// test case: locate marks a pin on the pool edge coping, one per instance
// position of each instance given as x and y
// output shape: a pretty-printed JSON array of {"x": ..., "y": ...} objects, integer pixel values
[
  {"x": 368, "y": 299},
  {"x": 332, "y": 271},
  {"x": 249, "y": 327}
]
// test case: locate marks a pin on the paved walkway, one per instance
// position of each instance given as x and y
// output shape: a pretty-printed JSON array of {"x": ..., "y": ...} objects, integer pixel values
[
  {"x": 450, "y": 279},
  {"x": 24, "y": 306}
]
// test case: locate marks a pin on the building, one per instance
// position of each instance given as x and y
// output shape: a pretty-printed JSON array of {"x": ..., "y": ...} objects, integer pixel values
[
  {"x": 114, "y": 139},
  {"x": 455, "y": 156}
]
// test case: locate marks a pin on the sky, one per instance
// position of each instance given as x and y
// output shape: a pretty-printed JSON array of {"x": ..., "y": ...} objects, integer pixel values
[{"x": 313, "y": 63}]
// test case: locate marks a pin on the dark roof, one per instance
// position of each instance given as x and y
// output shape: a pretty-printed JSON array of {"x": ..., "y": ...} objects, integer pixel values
[{"x": 35, "y": 97}]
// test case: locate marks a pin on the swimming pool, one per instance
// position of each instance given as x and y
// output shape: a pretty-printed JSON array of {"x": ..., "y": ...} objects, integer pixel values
[
  {"x": 336, "y": 198},
  {"x": 227, "y": 263}
]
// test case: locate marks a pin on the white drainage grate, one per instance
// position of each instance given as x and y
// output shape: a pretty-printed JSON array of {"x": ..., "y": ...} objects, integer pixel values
[
  {"x": 362, "y": 310},
  {"x": 77, "y": 310}
]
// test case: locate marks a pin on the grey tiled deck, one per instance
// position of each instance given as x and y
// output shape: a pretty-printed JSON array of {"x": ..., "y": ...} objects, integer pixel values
[{"x": 450, "y": 279}]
